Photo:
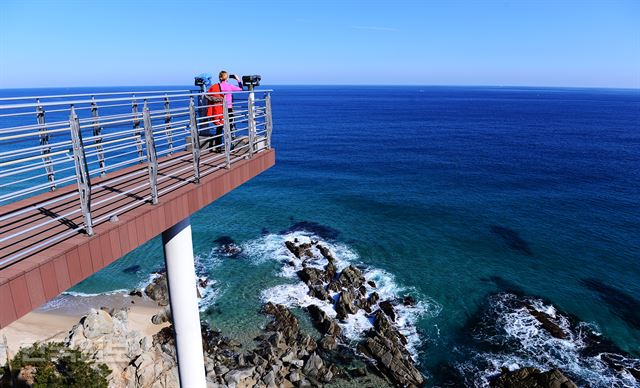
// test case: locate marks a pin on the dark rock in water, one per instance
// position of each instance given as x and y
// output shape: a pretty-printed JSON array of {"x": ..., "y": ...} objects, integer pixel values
[
  {"x": 298, "y": 250},
  {"x": 533, "y": 378},
  {"x": 391, "y": 360},
  {"x": 311, "y": 276},
  {"x": 330, "y": 271},
  {"x": 230, "y": 250},
  {"x": 264, "y": 232},
  {"x": 409, "y": 300},
  {"x": 372, "y": 283},
  {"x": 324, "y": 251},
  {"x": 132, "y": 269},
  {"x": 326, "y": 232},
  {"x": 387, "y": 307},
  {"x": 351, "y": 277},
  {"x": 368, "y": 303},
  {"x": 136, "y": 292},
  {"x": 621, "y": 363},
  {"x": 322, "y": 322},
  {"x": 158, "y": 290},
  {"x": 547, "y": 322},
  {"x": 283, "y": 320},
  {"x": 487, "y": 338},
  {"x": 227, "y": 246},
  {"x": 345, "y": 304},
  {"x": 512, "y": 239},
  {"x": 382, "y": 325},
  {"x": 318, "y": 291},
  {"x": 621, "y": 304}
]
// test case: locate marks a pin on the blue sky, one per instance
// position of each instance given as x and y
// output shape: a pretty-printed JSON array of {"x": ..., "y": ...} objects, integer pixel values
[{"x": 537, "y": 43}]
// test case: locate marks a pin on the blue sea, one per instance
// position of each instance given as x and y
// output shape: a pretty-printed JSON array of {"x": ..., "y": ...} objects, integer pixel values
[{"x": 463, "y": 197}]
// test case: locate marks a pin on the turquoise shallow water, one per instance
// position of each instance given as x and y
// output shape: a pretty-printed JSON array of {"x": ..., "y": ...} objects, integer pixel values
[{"x": 455, "y": 193}]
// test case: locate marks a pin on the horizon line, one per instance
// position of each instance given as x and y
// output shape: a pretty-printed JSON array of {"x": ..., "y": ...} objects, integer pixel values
[{"x": 635, "y": 88}]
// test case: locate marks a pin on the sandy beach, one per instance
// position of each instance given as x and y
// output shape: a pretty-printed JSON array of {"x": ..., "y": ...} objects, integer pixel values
[{"x": 52, "y": 321}]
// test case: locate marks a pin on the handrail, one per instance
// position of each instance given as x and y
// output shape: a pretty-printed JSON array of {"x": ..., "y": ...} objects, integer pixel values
[
  {"x": 74, "y": 102},
  {"x": 83, "y": 139}
]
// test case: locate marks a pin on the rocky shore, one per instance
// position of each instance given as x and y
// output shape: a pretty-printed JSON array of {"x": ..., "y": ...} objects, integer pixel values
[{"x": 290, "y": 353}]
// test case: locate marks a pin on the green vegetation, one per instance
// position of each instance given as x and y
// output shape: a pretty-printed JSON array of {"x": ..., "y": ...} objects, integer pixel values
[{"x": 53, "y": 365}]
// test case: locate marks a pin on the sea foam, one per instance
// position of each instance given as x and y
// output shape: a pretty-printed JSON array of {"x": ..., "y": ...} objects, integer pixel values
[{"x": 272, "y": 248}]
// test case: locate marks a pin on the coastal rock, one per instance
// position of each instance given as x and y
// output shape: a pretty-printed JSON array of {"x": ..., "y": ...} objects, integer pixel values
[
  {"x": 284, "y": 321},
  {"x": 319, "y": 292},
  {"x": 328, "y": 342},
  {"x": 324, "y": 251},
  {"x": 409, "y": 300},
  {"x": 107, "y": 339},
  {"x": 532, "y": 378},
  {"x": 162, "y": 317},
  {"x": 311, "y": 276},
  {"x": 368, "y": 303},
  {"x": 345, "y": 305},
  {"x": 154, "y": 368},
  {"x": 351, "y": 277},
  {"x": 158, "y": 290},
  {"x": 313, "y": 366},
  {"x": 547, "y": 322},
  {"x": 97, "y": 323},
  {"x": 330, "y": 271},
  {"x": 382, "y": 325},
  {"x": 240, "y": 377},
  {"x": 323, "y": 323},
  {"x": 392, "y": 360},
  {"x": 387, "y": 308},
  {"x": 298, "y": 250}
]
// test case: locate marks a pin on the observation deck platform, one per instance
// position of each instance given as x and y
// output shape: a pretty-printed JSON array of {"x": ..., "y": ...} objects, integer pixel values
[{"x": 54, "y": 235}]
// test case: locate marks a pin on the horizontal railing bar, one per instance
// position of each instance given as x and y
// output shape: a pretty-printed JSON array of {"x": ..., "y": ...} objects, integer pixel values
[
  {"x": 94, "y": 94},
  {"x": 89, "y": 101}
]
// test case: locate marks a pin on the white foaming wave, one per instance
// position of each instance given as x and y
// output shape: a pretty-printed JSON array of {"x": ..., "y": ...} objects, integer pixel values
[
  {"x": 88, "y": 294},
  {"x": 208, "y": 294},
  {"x": 537, "y": 348},
  {"x": 272, "y": 248}
]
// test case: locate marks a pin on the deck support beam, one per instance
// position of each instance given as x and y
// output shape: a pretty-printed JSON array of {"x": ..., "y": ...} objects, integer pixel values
[{"x": 181, "y": 274}]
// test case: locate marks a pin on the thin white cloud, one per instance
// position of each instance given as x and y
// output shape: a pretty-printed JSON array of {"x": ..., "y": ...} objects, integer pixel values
[{"x": 375, "y": 28}]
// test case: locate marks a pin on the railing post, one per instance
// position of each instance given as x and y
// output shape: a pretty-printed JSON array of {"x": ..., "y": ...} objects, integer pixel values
[
  {"x": 136, "y": 125},
  {"x": 167, "y": 120},
  {"x": 226, "y": 133},
  {"x": 195, "y": 140},
  {"x": 97, "y": 131},
  {"x": 45, "y": 151},
  {"x": 269, "y": 120},
  {"x": 251, "y": 119},
  {"x": 82, "y": 171},
  {"x": 151, "y": 153}
]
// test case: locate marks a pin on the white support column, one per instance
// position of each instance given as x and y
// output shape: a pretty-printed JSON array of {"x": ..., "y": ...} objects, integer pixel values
[{"x": 181, "y": 273}]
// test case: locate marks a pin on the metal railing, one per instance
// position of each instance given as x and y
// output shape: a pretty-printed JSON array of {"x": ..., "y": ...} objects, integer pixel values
[{"x": 48, "y": 143}]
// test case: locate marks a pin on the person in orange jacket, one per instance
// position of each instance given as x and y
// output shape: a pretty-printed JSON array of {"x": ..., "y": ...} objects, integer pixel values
[{"x": 215, "y": 108}]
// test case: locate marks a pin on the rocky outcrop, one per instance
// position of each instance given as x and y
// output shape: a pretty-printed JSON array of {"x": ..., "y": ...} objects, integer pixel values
[
  {"x": 546, "y": 322},
  {"x": 158, "y": 290},
  {"x": 532, "y": 378},
  {"x": 384, "y": 346},
  {"x": 107, "y": 339}
]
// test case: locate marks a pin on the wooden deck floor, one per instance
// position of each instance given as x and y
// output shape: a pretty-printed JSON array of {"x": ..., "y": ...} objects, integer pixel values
[{"x": 56, "y": 255}]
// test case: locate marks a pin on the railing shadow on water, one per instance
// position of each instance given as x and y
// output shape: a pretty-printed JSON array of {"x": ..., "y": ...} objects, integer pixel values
[{"x": 71, "y": 162}]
